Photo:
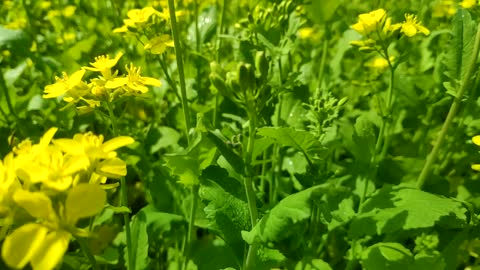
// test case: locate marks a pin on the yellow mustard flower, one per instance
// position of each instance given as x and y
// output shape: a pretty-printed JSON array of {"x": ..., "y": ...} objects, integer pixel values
[
  {"x": 476, "y": 141},
  {"x": 133, "y": 83},
  {"x": 158, "y": 45},
  {"x": 43, "y": 243},
  {"x": 379, "y": 63},
  {"x": 101, "y": 156},
  {"x": 69, "y": 11},
  {"x": 411, "y": 26},
  {"x": 137, "y": 18},
  {"x": 104, "y": 64},
  {"x": 8, "y": 182},
  {"x": 370, "y": 22},
  {"x": 468, "y": 3},
  {"x": 63, "y": 85},
  {"x": 444, "y": 8}
]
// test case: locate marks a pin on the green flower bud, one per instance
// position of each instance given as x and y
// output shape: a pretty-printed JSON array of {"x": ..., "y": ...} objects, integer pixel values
[
  {"x": 261, "y": 65},
  {"x": 246, "y": 78},
  {"x": 219, "y": 84}
]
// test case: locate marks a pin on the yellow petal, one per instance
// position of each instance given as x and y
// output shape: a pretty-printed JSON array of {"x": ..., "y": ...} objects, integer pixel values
[
  {"x": 47, "y": 137},
  {"x": 37, "y": 204},
  {"x": 151, "y": 81},
  {"x": 22, "y": 244},
  {"x": 75, "y": 164},
  {"x": 476, "y": 140},
  {"x": 76, "y": 77},
  {"x": 70, "y": 146},
  {"x": 54, "y": 90},
  {"x": 113, "y": 168},
  {"x": 116, "y": 83},
  {"x": 476, "y": 167},
  {"x": 51, "y": 251},
  {"x": 116, "y": 143},
  {"x": 84, "y": 200}
]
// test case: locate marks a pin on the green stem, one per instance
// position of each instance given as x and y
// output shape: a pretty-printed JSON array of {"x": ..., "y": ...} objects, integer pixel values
[
  {"x": 251, "y": 198},
  {"x": 218, "y": 45},
  {"x": 181, "y": 72},
  {"x": 86, "y": 251},
  {"x": 123, "y": 195},
  {"x": 323, "y": 60},
  {"x": 191, "y": 225},
  {"x": 3, "y": 84},
  {"x": 451, "y": 113}
]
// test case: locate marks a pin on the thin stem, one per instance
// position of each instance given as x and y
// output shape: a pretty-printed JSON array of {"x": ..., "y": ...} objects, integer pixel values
[
  {"x": 181, "y": 73},
  {"x": 451, "y": 113},
  {"x": 123, "y": 195},
  {"x": 251, "y": 198},
  {"x": 323, "y": 60},
  {"x": 86, "y": 251},
  {"x": 7, "y": 95},
  {"x": 218, "y": 45},
  {"x": 191, "y": 225}
]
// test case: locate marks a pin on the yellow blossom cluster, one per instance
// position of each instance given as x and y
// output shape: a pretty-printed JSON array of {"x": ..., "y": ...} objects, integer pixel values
[
  {"x": 46, "y": 188},
  {"x": 107, "y": 86},
  {"x": 448, "y": 8},
  {"x": 476, "y": 141},
  {"x": 376, "y": 27},
  {"x": 142, "y": 20}
]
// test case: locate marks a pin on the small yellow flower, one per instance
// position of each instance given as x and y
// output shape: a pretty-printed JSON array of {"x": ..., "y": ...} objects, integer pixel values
[
  {"x": 63, "y": 85},
  {"x": 44, "y": 244},
  {"x": 69, "y": 11},
  {"x": 104, "y": 64},
  {"x": 410, "y": 27},
  {"x": 133, "y": 83},
  {"x": 158, "y": 45},
  {"x": 468, "y": 3},
  {"x": 476, "y": 141},
  {"x": 370, "y": 22},
  {"x": 379, "y": 63}
]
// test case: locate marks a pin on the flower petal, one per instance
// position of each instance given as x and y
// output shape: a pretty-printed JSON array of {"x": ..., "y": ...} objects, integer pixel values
[
  {"x": 84, "y": 200},
  {"x": 116, "y": 143},
  {"x": 51, "y": 251},
  {"x": 113, "y": 168},
  {"x": 22, "y": 244},
  {"x": 37, "y": 204}
]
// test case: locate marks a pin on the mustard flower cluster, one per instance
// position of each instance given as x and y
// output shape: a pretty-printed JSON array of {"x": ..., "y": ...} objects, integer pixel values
[
  {"x": 143, "y": 21},
  {"x": 107, "y": 86},
  {"x": 46, "y": 188},
  {"x": 448, "y": 8},
  {"x": 377, "y": 28}
]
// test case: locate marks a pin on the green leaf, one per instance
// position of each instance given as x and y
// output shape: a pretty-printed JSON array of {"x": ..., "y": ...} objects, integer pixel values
[
  {"x": 393, "y": 209},
  {"x": 16, "y": 40},
  {"x": 387, "y": 256},
  {"x": 214, "y": 254},
  {"x": 221, "y": 143},
  {"x": 282, "y": 226},
  {"x": 322, "y": 11},
  {"x": 301, "y": 140},
  {"x": 140, "y": 258},
  {"x": 460, "y": 52},
  {"x": 228, "y": 214},
  {"x": 363, "y": 140},
  {"x": 315, "y": 264}
]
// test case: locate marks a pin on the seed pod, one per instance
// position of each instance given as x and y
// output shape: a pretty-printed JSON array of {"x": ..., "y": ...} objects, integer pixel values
[
  {"x": 246, "y": 78},
  {"x": 261, "y": 65},
  {"x": 219, "y": 84}
]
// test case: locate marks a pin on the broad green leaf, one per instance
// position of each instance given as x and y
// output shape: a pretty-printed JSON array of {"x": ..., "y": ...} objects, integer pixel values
[
  {"x": 460, "y": 52},
  {"x": 221, "y": 143},
  {"x": 214, "y": 254},
  {"x": 302, "y": 141},
  {"x": 282, "y": 226},
  {"x": 189, "y": 164},
  {"x": 393, "y": 209},
  {"x": 383, "y": 256},
  {"x": 321, "y": 11},
  {"x": 429, "y": 260},
  {"x": 138, "y": 227},
  {"x": 364, "y": 140},
  {"x": 16, "y": 40},
  {"x": 227, "y": 213},
  {"x": 315, "y": 264}
]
